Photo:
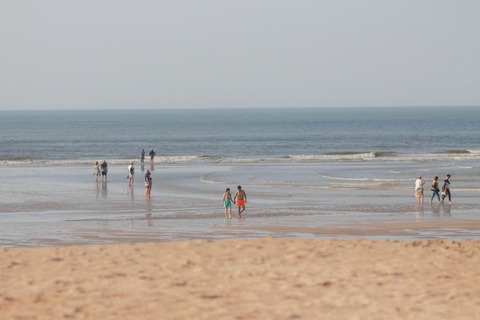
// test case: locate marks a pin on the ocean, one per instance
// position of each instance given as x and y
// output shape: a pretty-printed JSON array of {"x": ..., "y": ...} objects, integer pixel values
[
  {"x": 324, "y": 165},
  {"x": 239, "y": 135}
]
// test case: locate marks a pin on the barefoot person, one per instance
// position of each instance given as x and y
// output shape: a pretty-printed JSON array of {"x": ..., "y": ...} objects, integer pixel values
[
  {"x": 104, "y": 167},
  {"x": 242, "y": 199},
  {"x": 419, "y": 189},
  {"x": 142, "y": 156},
  {"x": 435, "y": 189},
  {"x": 130, "y": 173},
  {"x": 96, "y": 170},
  {"x": 446, "y": 190},
  {"x": 152, "y": 156},
  {"x": 148, "y": 184},
  {"x": 227, "y": 203}
]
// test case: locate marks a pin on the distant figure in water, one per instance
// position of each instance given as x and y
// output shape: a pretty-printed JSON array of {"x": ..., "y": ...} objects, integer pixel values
[
  {"x": 242, "y": 199},
  {"x": 419, "y": 189},
  {"x": 227, "y": 203},
  {"x": 148, "y": 184},
  {"x": 435, "y": 189},
  {"x": 96, "y": 170},
  {"x": 152, "y": 156},
  {"x": 142, "y": 156},
  {"x": 104, "y": 167}
]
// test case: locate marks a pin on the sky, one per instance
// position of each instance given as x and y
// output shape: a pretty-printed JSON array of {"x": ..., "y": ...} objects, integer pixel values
[{"x": 125, "y": 54}]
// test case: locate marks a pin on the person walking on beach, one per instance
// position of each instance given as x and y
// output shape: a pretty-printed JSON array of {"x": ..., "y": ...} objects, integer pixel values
[
  {"x": 148, "y": 184},
  {"x": 419, "y": 189},
  {"x": 104, "y": 167},
  {"x": 446, "y": 190},
  {"x": 130, "y": 173},
  {"x": 96, "y": 170},
  {"x": 227, "y": 203},
  {"x": 152, "y": 156},
  {"x": 242, "y": 199},
  {"x": 435, "y": 189},
  {"x": 142, "y": 156}
]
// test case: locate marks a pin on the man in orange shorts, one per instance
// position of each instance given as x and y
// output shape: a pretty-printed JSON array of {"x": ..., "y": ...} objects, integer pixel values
[{"x": 242, "y": 199}]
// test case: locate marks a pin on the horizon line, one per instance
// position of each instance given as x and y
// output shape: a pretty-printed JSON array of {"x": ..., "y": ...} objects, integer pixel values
[{"x": 240, "y": 108}]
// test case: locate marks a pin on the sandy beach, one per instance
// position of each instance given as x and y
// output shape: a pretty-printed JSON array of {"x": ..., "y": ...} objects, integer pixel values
[{"x": 244, "y": 279}]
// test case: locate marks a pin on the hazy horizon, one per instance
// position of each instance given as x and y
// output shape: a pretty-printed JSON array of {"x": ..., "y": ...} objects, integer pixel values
[{"x": 91, "y": 55}]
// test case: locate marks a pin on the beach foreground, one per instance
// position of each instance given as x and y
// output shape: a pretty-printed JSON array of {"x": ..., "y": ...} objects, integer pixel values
[{"x": 244, "y": 279}]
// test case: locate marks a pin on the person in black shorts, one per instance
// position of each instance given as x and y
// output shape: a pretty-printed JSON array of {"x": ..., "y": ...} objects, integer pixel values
[{"x": 104, "y": 168}]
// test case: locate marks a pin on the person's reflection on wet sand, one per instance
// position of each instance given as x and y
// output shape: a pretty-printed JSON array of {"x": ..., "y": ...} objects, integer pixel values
[
  {"x": 148, "y": 220},
  {"x": 446, "y": 210},
  {"x": 104, "y": 189},
  {"x": 435, "y": 210},
  {"x": 420, "y": 212},
  {"x": 96, "y": 189},
  {"x": 142, "y": 167},
  {"x": 131, "y": 195}
]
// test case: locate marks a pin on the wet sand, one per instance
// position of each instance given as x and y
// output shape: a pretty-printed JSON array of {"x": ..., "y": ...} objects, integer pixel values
[
  {"x": 385, "y": 228},
  {"x": 244, "y": 279}
]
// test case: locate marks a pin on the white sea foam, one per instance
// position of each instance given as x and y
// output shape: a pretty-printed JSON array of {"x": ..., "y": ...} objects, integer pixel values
[
  {"x": 362, "y": 179},
  {"x": 322, "y": 158}
]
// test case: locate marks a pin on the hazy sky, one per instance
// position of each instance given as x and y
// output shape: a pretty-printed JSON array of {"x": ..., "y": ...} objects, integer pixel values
[{"x": 123, "y": 54}]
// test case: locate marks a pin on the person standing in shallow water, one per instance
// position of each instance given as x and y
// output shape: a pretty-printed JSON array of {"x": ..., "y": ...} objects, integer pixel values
[
  {"x": 104, "y": 167},
  {"x": 148, "y": 184},
  {"x": 142, "y": 156},
  {"x": 242, "y": 199},
  {"x": 446, "y": 190},
  {"x": 227, "y": 203},
  {"x": 435, "y": 189},
  {"x": 130, "y": 173},
  {"x": 419, "y": 189},
  {"x": 152, "y": 156},
  {"x": 96, "y": 170}
]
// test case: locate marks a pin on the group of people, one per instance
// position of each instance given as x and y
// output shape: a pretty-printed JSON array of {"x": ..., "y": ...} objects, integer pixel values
[
  {"x": 103, "y": 171},
  {"x": 436, "y": 191},
  {"x": 152, "y": 155},
  {"x": 240, "y": 198},
  {"x": 100, "y": 170},
  {"x": 147, "y": 179}
]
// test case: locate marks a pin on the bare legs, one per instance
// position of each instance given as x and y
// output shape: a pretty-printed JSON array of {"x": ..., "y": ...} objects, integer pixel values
[
  {"x": 240, "y": 210},
  {"x": 228, "y": 213}
]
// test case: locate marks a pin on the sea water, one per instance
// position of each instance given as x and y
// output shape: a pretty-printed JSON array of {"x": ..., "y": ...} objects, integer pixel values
[
  {"x": 320, "y": 162},
  {"x": 240, "y": 135}
]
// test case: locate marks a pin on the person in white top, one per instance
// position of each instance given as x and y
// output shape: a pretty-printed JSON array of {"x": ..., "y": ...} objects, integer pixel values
[
  {"x": 96, "y": 170},
  {"x": 419, "y": 189},
  {"x": 130, "y": 173}
]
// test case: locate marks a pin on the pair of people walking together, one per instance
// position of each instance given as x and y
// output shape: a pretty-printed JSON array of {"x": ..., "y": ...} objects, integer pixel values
[{"x": 240, "y": 199}]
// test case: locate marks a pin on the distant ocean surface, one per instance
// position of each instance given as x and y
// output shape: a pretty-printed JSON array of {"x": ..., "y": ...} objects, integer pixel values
[{"x": 240, "y": 135}]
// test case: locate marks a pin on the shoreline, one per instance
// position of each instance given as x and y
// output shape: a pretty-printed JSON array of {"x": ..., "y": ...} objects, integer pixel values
[
  {"x": 244, "y": 279},
  {"x": 157, "y": 229}
]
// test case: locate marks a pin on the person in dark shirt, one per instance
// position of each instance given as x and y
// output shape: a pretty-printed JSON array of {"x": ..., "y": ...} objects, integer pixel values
[
  {"x": 104, "y": 167},
  {"x": 446, "y": 190}
]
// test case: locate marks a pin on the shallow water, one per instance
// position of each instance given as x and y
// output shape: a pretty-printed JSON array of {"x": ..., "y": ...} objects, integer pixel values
[{"x": 42, "y": 207}]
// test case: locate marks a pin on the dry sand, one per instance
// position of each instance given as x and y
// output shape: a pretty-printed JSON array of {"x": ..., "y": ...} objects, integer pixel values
[{"x": 244, "y": 279}]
